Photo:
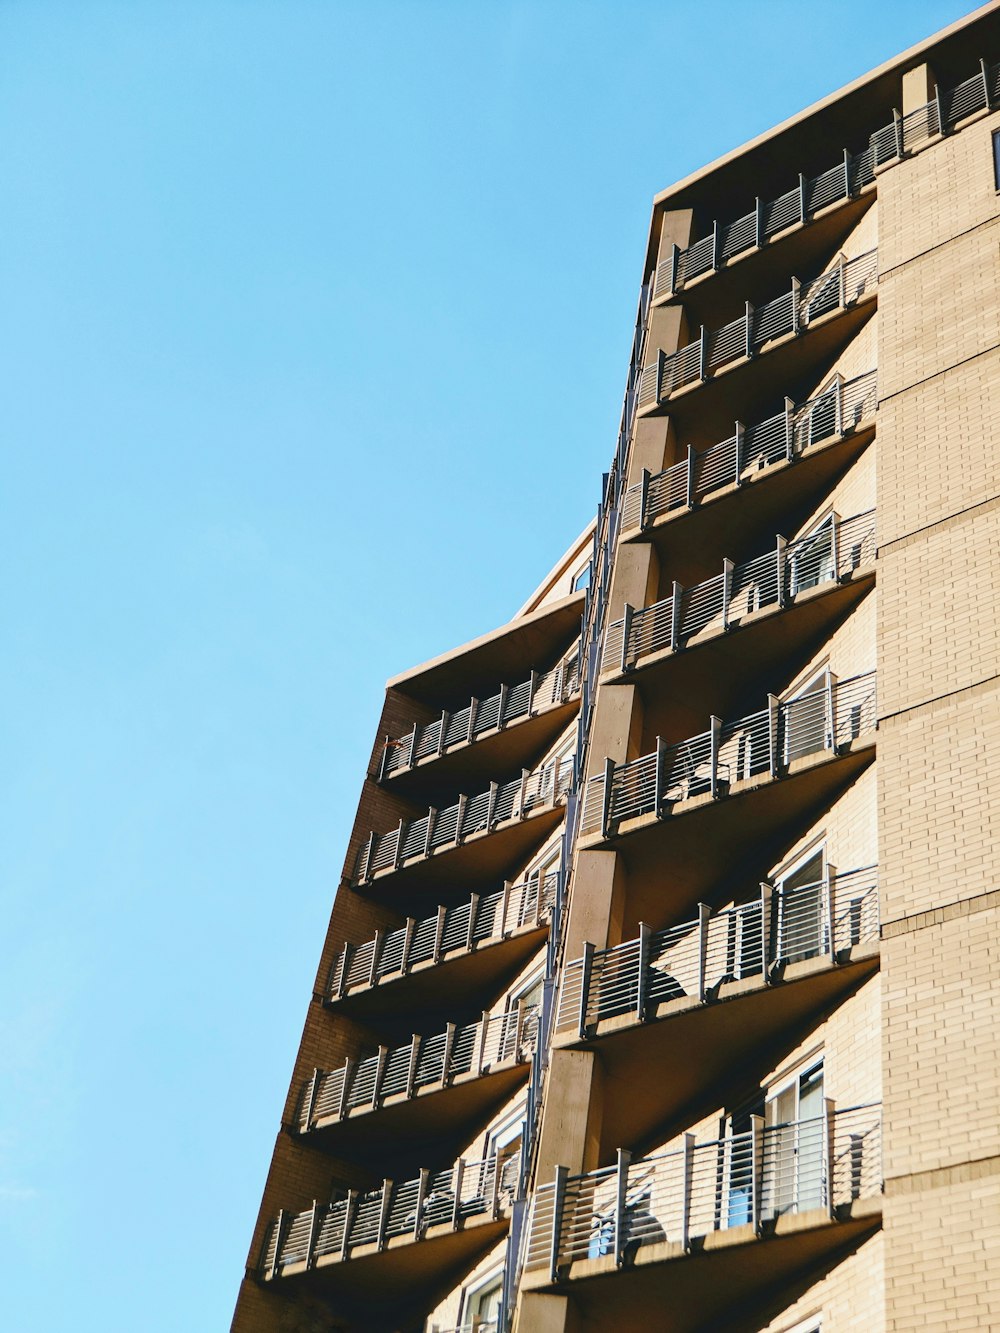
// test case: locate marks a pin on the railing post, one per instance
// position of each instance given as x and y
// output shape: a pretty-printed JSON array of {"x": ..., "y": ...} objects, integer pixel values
[
  {"x": 279, "y": 1225},
  {"x": 310, "y": 1104},
  {"x": 984, "y": 70},
  {"x": 463, "y": 801},
  {"x": 831, "y": 716},
  {"x": 383, "y": 1060},
  {"x": 848, "y": 191},
  {"x": 642, "y": 980},
  {"x": 502, "y": 706},
  {"x": 411, "y": 1072},
  {"x": 449, "y": 1049},
  {"x": 781, "y": 569},
  {"x": 728, "y": 568},
  {"x": 495, "y": 1188},
  {"x": 773, "y": 735},
  {"x": 439, "y": 934},
  {"x": 470, "y": 730},
  {"x": 659, "y": 775},
  {"x": 470, "y": 934},
  {"x": 422, "y": 1180},
  {"x": 675, "y": 255},
  {"x": 345, "y": 1088},
  {"x": 842, "y": 281},
  {"x": 789, "y": 429},
  {"x": 350, "y": 1212},
  {"x": 829, "y": 920},
  {"x": 627, "y": 614},
  {"x": 897, "y": 124},
  {"x": 803, "y": 198},
  {"x": 429, "y": 833},
  {"x": 939, "y": 110},
  {"x": 759, "y": 237},
  {"x": 766, "y": 912},
  {"x": 644, "y": 479},
  {"x": 558, "y": 1207},
  {"x": 796, "y": 288},
  {"x": 458, "y": 1179},
  {"x": 408, "y": 937},
  {"x": 688, "y": 1191},
  {"x": 345, "y": 966},
  {"x": 703, "y": 354},
  {"x": 366, "y": 871},
  {"x": 411, "y": 758},
  {"x": 661, "y": 365},
  {"x": 386, "y": 743},
  {"x": 621, "y": 1202},
  {"x": 756, "y": 1169},
  {"x": 690, "y": 479},
  {"x": 704, "y": 915},
  {"x": 715, "y": 736},
  {"x": 748, "y": 331},
  {"x": 504, "y": 908},
  {"x": 676, "y": 603},
  {"x": 491, "y": 808},
  {"x": 586, "y": 977},
  {"x": 397, "y": 854},
  {"x": 525, "y": 775},
  {"x": 608, "y": 803},
  {"x": 519, "y": 1030},
  {"x": 378, "y": 944},
  {"x": 739, "y": 441},
  {"x": 383, "y": 1214},
  {"x": 835, "y": 522},
  {"x": 445, "y": 720},
  {"x": 532, "y": 681},
  {"x": 484, "y": 1027},
  {"x": 716, "y": 246}
]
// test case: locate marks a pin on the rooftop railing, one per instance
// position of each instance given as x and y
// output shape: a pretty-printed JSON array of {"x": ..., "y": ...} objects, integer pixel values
[
  {"x": 828, "y": 554},
  {"x": 784, "y": 924},
  {"x": 374, "y": 1217},
  {"x": 422, "y": 1063},
  {"x": 484, "y": 919},
  {"x": 845, "y": 180},
  {"x": 511, "y": 704},
  {"x": 838, "y": 410},
  {"x": 841, "y": 286},
  {"x": 501, "y": 804},
  {"x": 827, "y": 717},
  {"x": 751, "y": 1178}
]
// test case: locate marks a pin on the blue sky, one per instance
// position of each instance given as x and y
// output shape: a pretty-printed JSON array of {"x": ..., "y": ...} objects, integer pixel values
[{"x": 294, "y": 296}]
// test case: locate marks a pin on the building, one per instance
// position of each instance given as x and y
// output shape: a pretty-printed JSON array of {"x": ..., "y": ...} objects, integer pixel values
[{"x": 661, "y": 988}]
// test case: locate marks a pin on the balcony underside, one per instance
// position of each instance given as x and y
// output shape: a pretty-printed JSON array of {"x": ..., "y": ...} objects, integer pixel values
[
  {"x": 714, "y": 1286},
  {"x": 749, "y": 1025},
  {"x": 721, "y": 672},
  {"x": 484, "y": 860},
  {"x": 426, "y": 1129},
  {"x": 710, "y": 848},
  {"x": 456, "y": 989},
  {"x": 733, "y": 520},
  {"x": 508, "y": 653},
  {"x": 374, "y": 1292},
  {"x": 750, "y": 390},
  {"x": 494, "y": 756},
  {"x": 713, "y": 299}
]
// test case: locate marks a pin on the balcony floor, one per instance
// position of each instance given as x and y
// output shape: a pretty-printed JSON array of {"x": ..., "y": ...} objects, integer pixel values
[
  {"x": 712, "y": 1287},
  {"x": 749, "y": 1024}
]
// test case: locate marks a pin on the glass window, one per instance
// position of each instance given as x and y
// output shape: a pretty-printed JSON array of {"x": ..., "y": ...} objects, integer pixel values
[{"x": 996, "y": 158}]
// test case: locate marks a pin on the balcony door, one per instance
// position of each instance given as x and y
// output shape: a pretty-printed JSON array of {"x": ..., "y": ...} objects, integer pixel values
[
  {"x": 811, "y": 558},
  {"x": 793, "y": 1145},
  {"x": 807, "y": 725},
  {"x": 800, "y": 926}
]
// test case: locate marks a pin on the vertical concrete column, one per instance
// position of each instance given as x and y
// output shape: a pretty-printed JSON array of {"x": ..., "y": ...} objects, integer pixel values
[{"x": 918, "y": 88}]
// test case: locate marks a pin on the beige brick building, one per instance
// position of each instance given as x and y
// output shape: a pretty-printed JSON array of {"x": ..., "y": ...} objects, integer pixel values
[{"x": 662, "y": 984}]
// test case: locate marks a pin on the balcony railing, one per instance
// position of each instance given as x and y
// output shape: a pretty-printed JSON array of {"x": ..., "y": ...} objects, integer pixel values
[
  {"x": 829, "y": 554},
  {"x": 421, "y": 1063},
  {"x": 826, "y": 718},
  {"x": 484, "y": 919},
  {"x": 827, "y": 1162},
  {"x": 511, "y": 704},
  {"x": 374, "y": 1217},
  {"x": 501, "y": 804},
  {"x": 835, "y": 412},
  {"x": 839, "y": 287},
  {"x": 843, "y": 181},
  {"x": 783, "y": 925}
]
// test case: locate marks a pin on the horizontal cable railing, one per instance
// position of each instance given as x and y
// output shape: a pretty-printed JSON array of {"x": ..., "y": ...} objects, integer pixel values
[
  {"x": 511, "y": 704},
  {"x": 515, "y": 800},
  {"x": 797, "y": 206},
  {"x": 839, "y": 287},
  {"x": 483, "y": 919},
  {"x": 423, "y": 1062},
  {"x": 406, "y": 1208},
  {"x": 830, "y": 553},
  {"x": 784, "y": 924},
  {"x": 826, "y": 717},
  {"x": 838, "y": 410},
  {"x": 824, "y": 1162}
]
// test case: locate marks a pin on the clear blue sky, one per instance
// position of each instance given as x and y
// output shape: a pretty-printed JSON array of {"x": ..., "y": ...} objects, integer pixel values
[{"x": 294, "y": 295}]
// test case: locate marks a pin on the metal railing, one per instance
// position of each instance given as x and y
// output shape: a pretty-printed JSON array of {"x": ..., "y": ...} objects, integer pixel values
[
  {"x": 404, "y": 1208},
  {"x": 751, "y": 1178},
  {"x": 839, "y": 287},
  {"x": 829, "y": 553},
  {"x": 511, "y": 704},
  {"x": 838, "y": 410},
  {"x": 422, "y": 1063},
  {"x": 485, "y": 918},
  {"x": 828, "y": 717},
  {"x": 501, "y": 804},
  {"x": 841, "y": 182},
  {"x": 782, "y": 925}
]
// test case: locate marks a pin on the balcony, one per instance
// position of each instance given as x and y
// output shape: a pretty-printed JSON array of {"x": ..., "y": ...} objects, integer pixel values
[
  {"x": 505, "y": 728},
  {"x": 392, "y": 1252},
  {"x": 468, "y": 951},
  {"x": 483, "y": 834},
  {"x": 725, "y": 984},
  {"x": 805, "y": 1189},
  {"x": 756, "y": 477},
  {"x": 789, "y": 598},
  {"x": 424, "y": 1092},
  {"x": 773, "y": 767}
]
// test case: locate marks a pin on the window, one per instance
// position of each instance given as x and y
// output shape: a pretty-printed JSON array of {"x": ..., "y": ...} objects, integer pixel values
[
  {"x": 482, "y": 1308},
  {"x": 807, "y": 721},
  {"x": 996, "y": 159},
  {"x": 582, "y": 580},
  {"x": 811, "y": 558},
  {"x": 800, "y": 927}
]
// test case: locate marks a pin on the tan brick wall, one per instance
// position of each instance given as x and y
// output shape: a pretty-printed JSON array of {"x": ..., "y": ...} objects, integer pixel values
[{"x": 848, "y": 1299}]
